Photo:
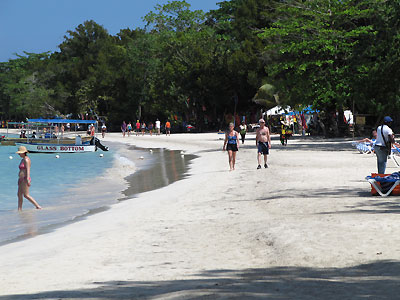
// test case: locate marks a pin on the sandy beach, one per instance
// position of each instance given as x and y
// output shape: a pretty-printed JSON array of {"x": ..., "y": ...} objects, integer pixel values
[{"x": 305, "y": 228}]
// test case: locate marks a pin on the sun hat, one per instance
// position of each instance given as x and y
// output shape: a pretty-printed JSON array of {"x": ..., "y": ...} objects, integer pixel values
[
  {"x": 261, "y": 121},
  {"x": 387, "y": 119},
  {"x": 22, "y": 149}
]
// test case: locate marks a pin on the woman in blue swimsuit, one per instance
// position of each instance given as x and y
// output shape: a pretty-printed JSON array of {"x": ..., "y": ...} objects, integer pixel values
[{"x": 231, "y": 144}]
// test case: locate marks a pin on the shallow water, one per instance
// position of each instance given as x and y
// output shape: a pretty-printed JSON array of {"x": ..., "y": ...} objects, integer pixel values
[
  {"x": 76, "y": 185},
  {"x": 51, "y": 180}
]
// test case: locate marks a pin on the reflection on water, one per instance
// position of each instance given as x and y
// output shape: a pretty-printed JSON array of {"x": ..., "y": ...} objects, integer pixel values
[
  {"x": 28, "y": 219},
  {"x": 159, "y": 169}
]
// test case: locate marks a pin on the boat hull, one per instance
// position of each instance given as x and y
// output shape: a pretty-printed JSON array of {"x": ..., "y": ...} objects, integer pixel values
[{"x": 52, "y": 148}]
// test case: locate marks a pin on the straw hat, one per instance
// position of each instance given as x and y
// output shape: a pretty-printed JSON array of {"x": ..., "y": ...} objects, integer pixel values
[{"x": 22, "y": 149}]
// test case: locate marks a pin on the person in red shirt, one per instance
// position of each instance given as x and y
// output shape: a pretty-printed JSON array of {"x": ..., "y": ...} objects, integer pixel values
[
  {"x": 137, "y": 127},
  {"x": 168, "y": 128}
]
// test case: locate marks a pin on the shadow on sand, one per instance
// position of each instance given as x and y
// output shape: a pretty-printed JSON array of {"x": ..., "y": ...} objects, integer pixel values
[{"x": 379, "y": 280}]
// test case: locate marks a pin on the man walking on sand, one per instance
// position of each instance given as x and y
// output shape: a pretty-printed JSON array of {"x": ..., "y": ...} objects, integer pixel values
[
  {"x": 158, "y": 127},
  {"x": 168, "y": 128},
  {"x": 383, "y": 145},
  {"x": 263, "y": 142}
]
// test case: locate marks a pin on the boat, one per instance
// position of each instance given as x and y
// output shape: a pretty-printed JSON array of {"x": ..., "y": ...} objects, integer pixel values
[
  {"x": 49, "y": 138},
  {"x": 57, "y": 148}
]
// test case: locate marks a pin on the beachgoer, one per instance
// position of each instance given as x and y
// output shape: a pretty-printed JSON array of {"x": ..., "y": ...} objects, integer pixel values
[
  {"x": 24, "y": 178},
  {"x": 383, "y": 145},
  {"x": 137, "y": 127},
  {"x": 231, "y": 144},
  {"x": 263, "y": 142},
  {"x": 68, "y": 127},
  {"x": 143, "y": 127},
  {"x": 243, "y": 131},
  {"x": 370, "y": 141},
  {"x": 123, "y": 128},
  {"x": 129, "y": 128},
  {"x": 151, "y": 128},
  {"x": 92, "y": 131},
  {"x": 62, "y": 129},
  {"x": 103, "y": 130},
  {"x": 158, "y": 127},
  {"x": 168, "y": 128}
]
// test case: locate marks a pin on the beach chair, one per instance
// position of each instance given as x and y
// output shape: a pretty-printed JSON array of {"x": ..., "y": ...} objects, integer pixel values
[
  {"x": 364, "y": 148},
  {"x": 384, "y": 185},
  {"x": 395, "y": 152}
]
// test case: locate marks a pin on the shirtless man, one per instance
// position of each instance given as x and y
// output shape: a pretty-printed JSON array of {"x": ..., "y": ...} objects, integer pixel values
[{"x": 263, "y": 142}]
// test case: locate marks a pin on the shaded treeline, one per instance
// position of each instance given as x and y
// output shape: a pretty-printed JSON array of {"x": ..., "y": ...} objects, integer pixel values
[{"x": 190, "y": 65}]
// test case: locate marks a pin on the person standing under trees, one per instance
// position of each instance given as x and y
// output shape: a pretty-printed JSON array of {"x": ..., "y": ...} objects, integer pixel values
[
  {"x": 143, "y": 127},
  {"x": 167, "y": 128},
  {"x": 231, "y": 144},
  {"x": 137, "y": 127},
  {"x": 24, "y": 178},
  {"x": 158, "y": 127},
  {"x": 383, "y": 145},
  {"x": 263, "y": 142},
  {"x": 151, "y": 128},
  {"x": 123, "y": 128},
  {"x": 103, "y": 130},
  {"x": 129, "y": 128},
  {"x": 243, "y": 131}
]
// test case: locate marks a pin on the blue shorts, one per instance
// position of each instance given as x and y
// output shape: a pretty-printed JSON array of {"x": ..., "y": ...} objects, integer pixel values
[{"x": 263, "y": 148}]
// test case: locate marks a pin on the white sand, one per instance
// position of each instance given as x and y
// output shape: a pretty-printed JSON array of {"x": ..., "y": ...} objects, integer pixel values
[{"x": 306, "y": 228}]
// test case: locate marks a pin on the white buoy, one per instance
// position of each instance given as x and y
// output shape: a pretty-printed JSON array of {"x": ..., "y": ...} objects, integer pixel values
[
  {"x": 57, "y": 156},
  {"x": 141, "y": 157},
  {"x": 101, "y": 155},
  {"x": 151, "y": 150},
  {"x": 10, "y": 157}
]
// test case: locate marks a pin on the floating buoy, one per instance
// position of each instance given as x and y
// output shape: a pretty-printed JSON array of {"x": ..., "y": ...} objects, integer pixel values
[
  {"x": 141, "y": 157},
  {"x": 57, "y": 156},
  {"x": 101, "y": 155},
  {"x": 151, "y": 150},
  {"x": 10, "y": 157}
]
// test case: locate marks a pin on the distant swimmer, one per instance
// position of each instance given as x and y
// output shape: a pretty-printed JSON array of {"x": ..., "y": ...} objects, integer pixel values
[
  {"x": 24, "y": 180},
  {"x": 263, "y": 142},
  {"x": 231, "y": 144}
]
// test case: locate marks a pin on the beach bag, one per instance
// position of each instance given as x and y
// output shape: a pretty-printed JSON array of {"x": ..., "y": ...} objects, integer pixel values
[{"x": 388, "y": 144}]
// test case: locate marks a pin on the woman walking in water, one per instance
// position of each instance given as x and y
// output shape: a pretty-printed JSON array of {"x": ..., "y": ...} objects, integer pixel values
[
  {"x": 231, "y": 144},
  {"x": 24, "y": 180}
]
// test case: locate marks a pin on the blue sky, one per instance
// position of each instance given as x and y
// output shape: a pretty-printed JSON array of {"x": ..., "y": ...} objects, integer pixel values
[{"x": 40, "y": 25}]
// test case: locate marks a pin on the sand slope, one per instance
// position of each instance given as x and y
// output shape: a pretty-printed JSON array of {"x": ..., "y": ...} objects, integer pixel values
[{"x": 306, "y": 228}]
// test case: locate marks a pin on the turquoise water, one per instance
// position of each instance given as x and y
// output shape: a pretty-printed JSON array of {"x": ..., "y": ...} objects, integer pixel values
[{"x": 53, "y": 181}]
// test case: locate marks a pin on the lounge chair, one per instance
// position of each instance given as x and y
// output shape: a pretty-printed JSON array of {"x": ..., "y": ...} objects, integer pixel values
[
  {"x": 395, "y": 152},
  {"x": 364, "y": 148},
  {"x": 385, "y": 185}
]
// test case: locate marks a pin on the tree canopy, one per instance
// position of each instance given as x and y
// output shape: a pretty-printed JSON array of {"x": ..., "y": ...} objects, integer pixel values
[{"x": 189, "y": 65}]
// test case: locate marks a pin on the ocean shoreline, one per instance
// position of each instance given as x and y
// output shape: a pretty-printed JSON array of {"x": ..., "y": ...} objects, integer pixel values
[{"x": 118, "y": 192}]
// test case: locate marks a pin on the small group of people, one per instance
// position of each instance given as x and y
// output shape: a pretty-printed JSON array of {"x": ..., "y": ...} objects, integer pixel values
[
  {"x": 263, "y": 143},
  {"x": 142, "y": 127}
]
